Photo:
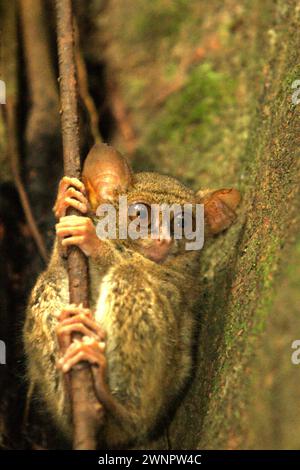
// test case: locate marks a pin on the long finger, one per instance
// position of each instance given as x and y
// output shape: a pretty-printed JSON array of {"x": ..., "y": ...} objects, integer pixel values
[
  {"x": 64, "y": 341},
  {"x": 88, "y": 322},
  {"x": 66, "y": 182},
  {"x": 72, "y": 220},
  {"x": 97, "y": 348},
  {"x": 79, "y": 357},
  {"x": 73, "y": 309},
  {"x": 77, "y": 240},
  {"x": 63, "y": 231},
  {"x": 76, "y": 204},
  {"x": 72, "y": 192},
  {"x": 68, "y": 330}
]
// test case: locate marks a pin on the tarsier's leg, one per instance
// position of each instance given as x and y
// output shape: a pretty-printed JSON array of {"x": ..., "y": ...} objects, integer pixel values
[{"x": 91, "y": 349}]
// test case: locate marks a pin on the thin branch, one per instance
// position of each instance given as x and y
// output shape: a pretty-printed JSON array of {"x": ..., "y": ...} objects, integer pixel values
[
  {"x": 14, "y": 161},
  {"x": 10, "y": 51},
  {"x": 87, "y": 411}
]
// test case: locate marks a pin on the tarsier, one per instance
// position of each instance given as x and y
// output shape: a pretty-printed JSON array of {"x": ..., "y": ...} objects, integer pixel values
[{"x": 138, "y": 333}]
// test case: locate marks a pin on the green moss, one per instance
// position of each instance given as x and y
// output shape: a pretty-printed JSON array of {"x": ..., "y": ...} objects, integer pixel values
[
  {"x": 186, "y": 126},
  {"x": 188, "y": 113}
]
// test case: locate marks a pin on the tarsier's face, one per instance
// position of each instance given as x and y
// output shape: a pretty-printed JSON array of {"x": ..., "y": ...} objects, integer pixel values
[
  {"x": 107, "y": 176},
  {"x": 173, "y": 225}
]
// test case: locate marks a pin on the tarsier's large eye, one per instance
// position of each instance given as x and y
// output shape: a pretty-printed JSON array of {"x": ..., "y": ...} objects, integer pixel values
[{"x": 141, "y": 211}]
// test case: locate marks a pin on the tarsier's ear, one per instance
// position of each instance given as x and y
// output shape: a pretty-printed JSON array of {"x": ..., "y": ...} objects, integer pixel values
[
  {"x": 219, "y": 208},
  {"x": 105, "y": 171}
]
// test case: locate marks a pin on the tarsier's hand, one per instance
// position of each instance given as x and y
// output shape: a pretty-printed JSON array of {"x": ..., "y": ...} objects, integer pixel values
[
  {"x": 71, "y": 193},
  {"x": 80, "y": 231},
  {"x": 90, "y": 348}
]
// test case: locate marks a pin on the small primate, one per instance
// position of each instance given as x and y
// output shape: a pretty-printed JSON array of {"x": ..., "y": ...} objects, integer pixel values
[{"x": 138, "y": 333}]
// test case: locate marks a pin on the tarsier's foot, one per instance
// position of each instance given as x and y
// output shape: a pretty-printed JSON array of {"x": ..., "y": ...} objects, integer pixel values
[
  {"x": 89, "y": 348},
  {"x": 86, "y": 349},
  {"x": 71, "y": 193},
  {"x": 76, "y": 319}
]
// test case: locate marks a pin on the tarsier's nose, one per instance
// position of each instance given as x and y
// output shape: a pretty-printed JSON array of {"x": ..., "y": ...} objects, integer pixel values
[{"x": 159, "y": 250}]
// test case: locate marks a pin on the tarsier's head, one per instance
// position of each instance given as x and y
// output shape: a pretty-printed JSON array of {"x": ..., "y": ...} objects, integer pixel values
[{"x": 107, "y": 175}]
